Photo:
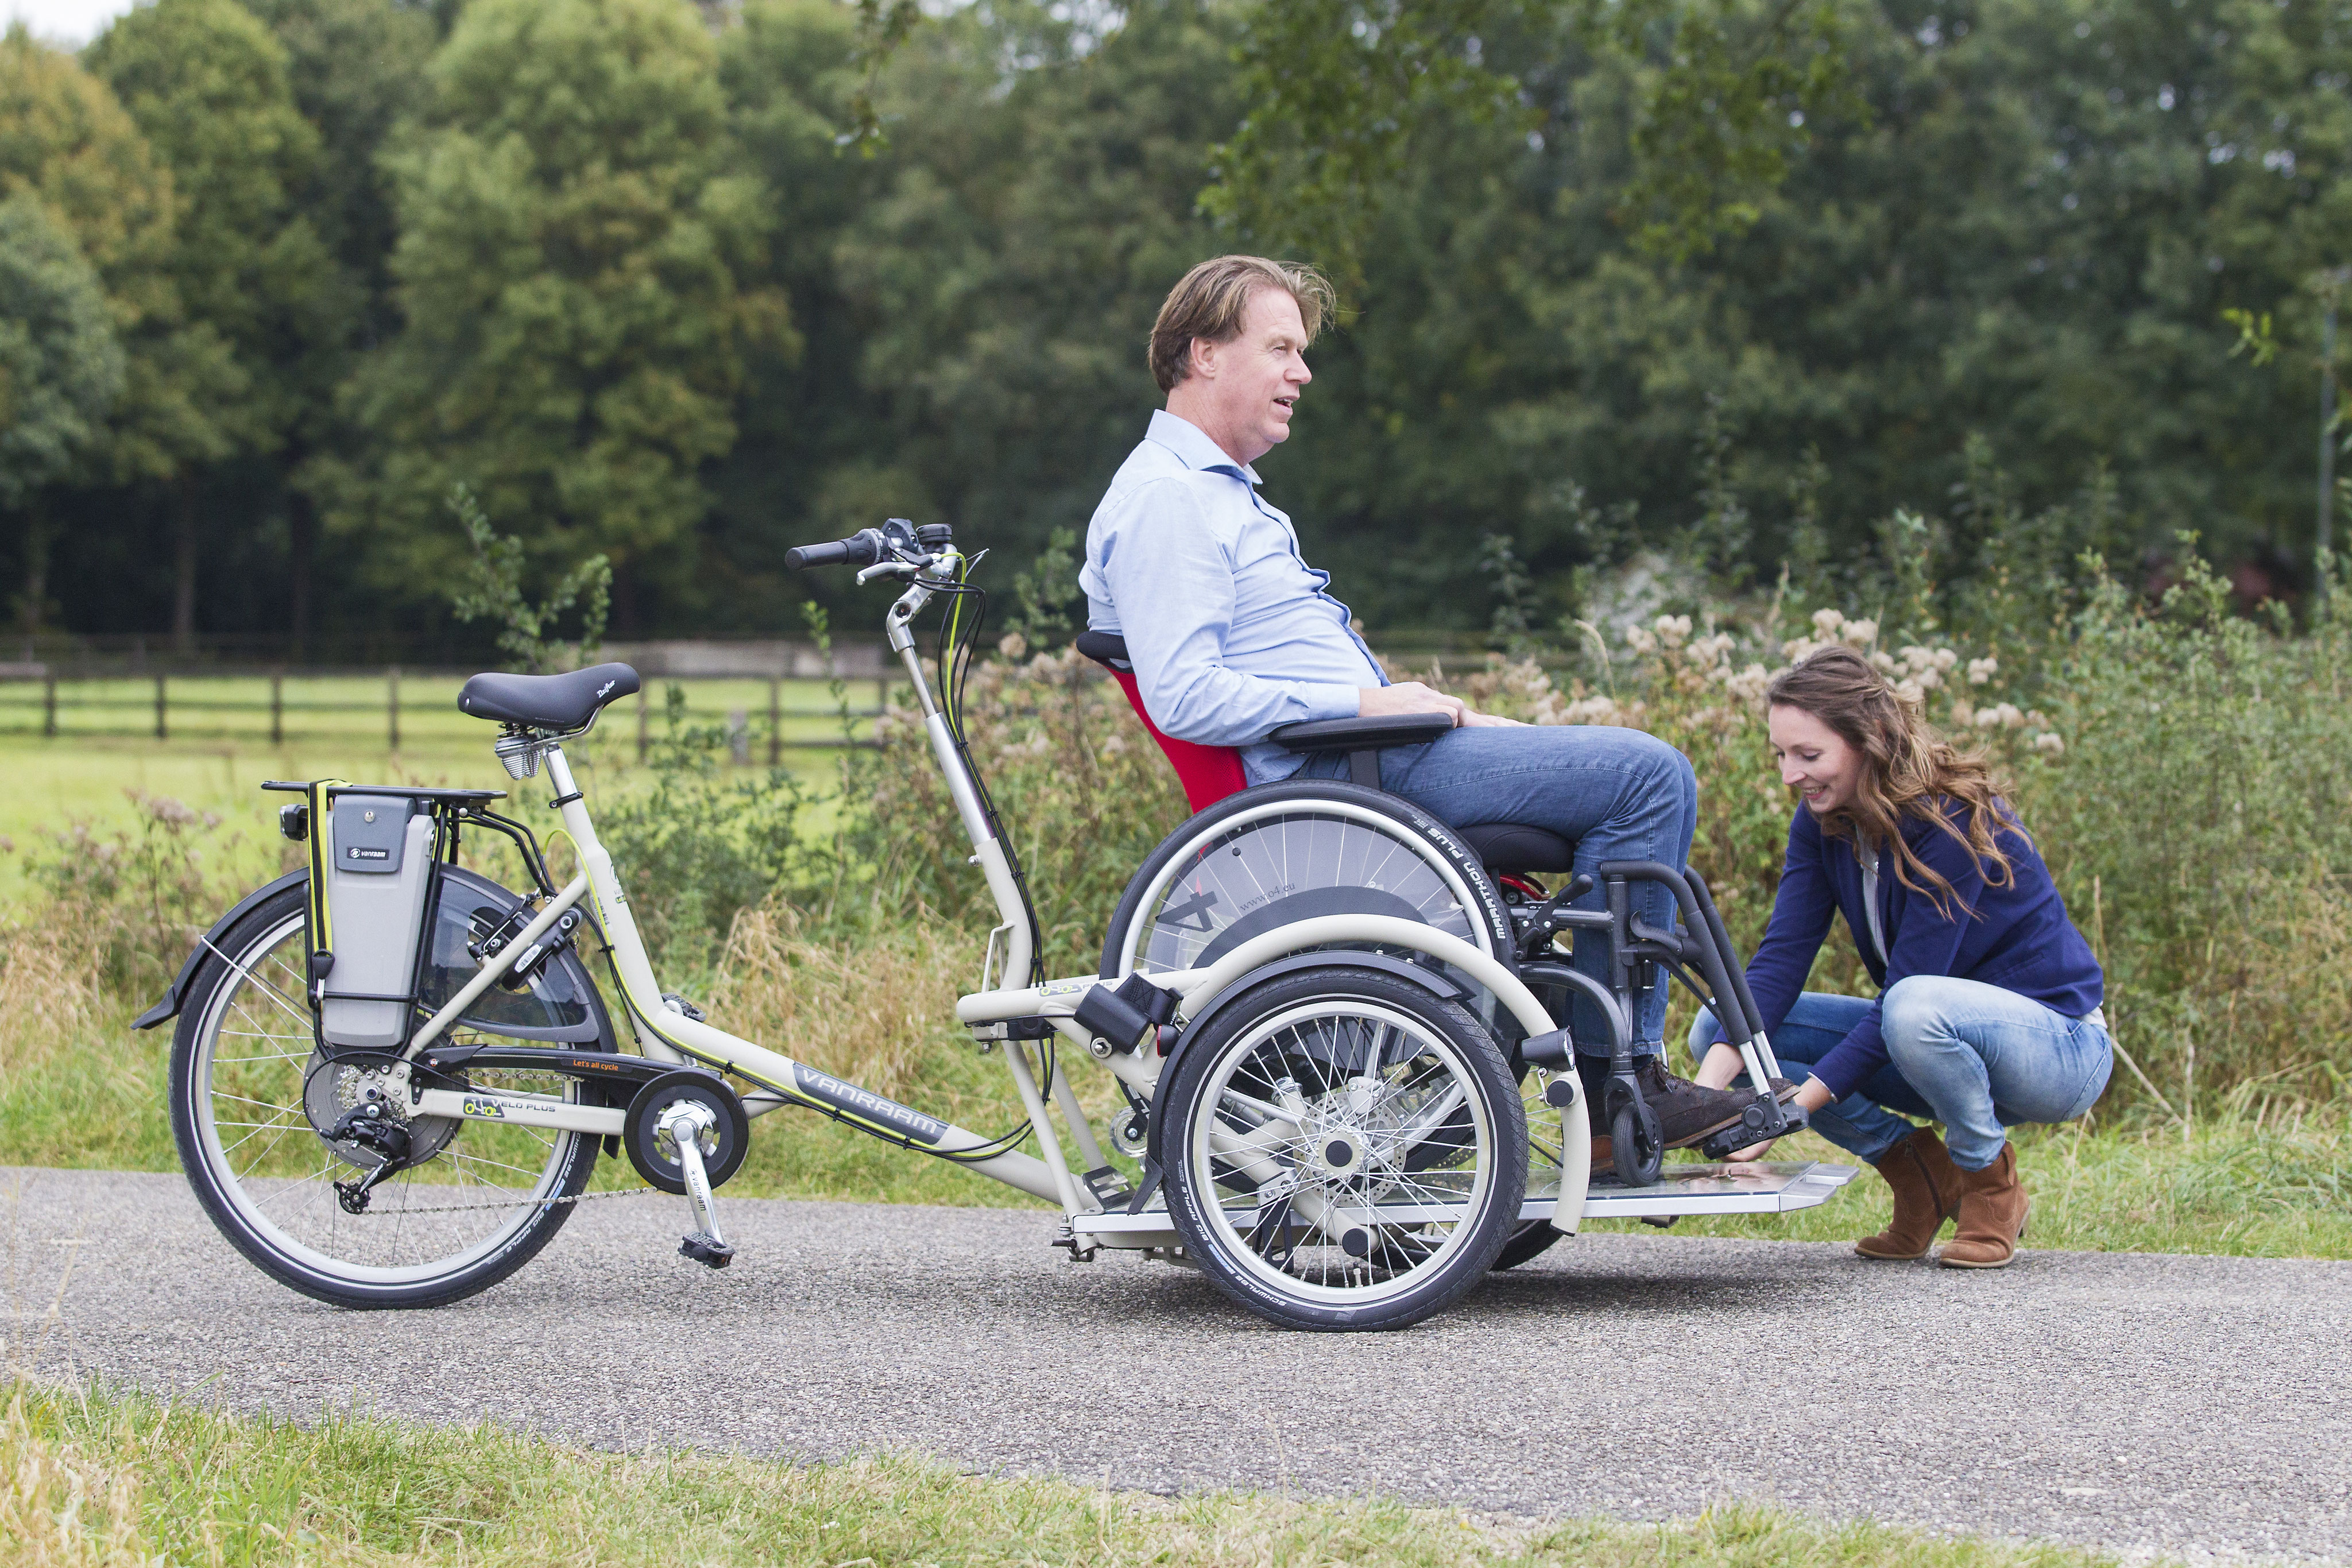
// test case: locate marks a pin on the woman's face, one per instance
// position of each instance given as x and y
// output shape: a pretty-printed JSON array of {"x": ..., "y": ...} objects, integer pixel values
[{"x": 1815, "y": 760}]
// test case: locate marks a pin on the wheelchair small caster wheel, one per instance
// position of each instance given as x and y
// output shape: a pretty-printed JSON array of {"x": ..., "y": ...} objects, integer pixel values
[{"x": 1635, "y": 1143}]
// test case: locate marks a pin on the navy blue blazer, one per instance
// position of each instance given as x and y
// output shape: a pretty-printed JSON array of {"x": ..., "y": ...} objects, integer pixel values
[{"x": 2017, "y": 937}]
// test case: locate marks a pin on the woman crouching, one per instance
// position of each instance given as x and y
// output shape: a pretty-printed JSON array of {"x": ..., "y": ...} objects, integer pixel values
[{"x": 1989, "y": 1006}]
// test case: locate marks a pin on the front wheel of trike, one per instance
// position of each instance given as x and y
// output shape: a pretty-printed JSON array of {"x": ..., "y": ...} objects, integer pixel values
[
  {"x": 255, "y": 1102},
  {"x": 1344, "y": 1150}
]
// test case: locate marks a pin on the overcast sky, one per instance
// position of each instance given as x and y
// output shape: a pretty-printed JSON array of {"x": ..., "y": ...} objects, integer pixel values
[{"x": 70, "y": 22}]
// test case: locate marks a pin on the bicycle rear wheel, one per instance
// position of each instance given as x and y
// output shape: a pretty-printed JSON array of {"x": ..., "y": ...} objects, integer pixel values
[{"x": 254, "y": 1100}]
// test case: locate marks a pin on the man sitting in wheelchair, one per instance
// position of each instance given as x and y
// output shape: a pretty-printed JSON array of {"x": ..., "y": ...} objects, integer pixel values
[{"x": 1232, "y": 635}]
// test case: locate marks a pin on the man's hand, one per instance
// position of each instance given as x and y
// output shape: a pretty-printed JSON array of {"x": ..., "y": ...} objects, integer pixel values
[{"x": 1412, "y": 696}]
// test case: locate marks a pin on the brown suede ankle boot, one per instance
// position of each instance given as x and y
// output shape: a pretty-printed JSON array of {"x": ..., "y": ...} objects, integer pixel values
[
  {"x": 1926, "y": 1193},
  {"x": 1992, "y": 1217}
]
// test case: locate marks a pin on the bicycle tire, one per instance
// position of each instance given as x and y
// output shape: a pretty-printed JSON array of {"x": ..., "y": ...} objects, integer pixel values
[
  {"x": 1337, "y": 1260},
  {"x": 279, "y": 1225}
]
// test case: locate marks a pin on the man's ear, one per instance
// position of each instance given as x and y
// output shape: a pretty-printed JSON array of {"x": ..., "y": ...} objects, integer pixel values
[{"x": 1201, "y": 355}]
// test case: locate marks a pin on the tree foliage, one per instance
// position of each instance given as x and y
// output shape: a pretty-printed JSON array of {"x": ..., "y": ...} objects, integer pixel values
[
  {"x": 1699, "y": 288},
  {"x": 61, "y": 367},
  {"x": 578, "y": 276},
  {"x": 206, "y": 84}
]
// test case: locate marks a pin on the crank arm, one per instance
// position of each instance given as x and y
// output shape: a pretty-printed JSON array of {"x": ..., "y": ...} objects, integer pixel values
[{"x": 706, "y": 1245}]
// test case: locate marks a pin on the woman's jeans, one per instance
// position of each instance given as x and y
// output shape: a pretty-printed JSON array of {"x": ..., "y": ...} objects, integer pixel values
[
  {"x": 1974, "y": 1057},
  {"x": 1616, "y": 794}
]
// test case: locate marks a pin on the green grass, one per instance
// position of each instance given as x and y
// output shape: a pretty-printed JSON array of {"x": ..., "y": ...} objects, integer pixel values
[
  {"x": 103, "y": 1478},
  {"x": 219, "y": 751}
]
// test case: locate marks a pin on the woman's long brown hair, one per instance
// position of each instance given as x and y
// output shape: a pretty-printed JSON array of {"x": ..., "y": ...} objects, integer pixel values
[{"x": 1908, "y": 769}]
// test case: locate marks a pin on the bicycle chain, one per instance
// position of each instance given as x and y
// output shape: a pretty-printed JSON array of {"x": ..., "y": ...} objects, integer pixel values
[{"x": 512, "y": 1203}]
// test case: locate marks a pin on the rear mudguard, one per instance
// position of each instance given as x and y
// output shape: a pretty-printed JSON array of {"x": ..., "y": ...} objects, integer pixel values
[{"x": 169, "y": 1008}]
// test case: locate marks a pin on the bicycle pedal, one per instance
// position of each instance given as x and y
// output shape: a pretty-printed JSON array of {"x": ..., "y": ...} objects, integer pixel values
[
  {"x": 703, "y": 1250},
  {"x": 1663, "y": 1221}
]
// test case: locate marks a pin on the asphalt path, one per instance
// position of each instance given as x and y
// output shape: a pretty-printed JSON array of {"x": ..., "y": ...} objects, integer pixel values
[{"x": 2196, "y": 1406}]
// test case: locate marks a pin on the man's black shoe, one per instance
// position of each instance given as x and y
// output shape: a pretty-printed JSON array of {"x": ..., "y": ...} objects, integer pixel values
[{"x": 1686, "y": 1113}]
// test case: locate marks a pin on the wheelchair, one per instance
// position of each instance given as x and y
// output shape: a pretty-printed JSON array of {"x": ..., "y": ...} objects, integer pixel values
[{"x": 1255, "y": 858}]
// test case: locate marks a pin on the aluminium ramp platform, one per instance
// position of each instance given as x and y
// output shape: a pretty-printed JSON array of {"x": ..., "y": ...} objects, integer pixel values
[{"x": 1764, "y": 1188}]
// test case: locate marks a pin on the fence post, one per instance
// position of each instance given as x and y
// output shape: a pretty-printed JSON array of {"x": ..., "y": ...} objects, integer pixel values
[
  {"x": 641, "y": 724},
  {"x": 392, "y": 704},
  {"x": 48, "y": 704},
  {"x": 163, "y": 730},
  {"x": 278, "y": 707},
  {"x": 775, "y": 721}
]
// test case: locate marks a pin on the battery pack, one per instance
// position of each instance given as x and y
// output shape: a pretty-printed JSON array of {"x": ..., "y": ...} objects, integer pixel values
[{"x": 379, "y": 866}]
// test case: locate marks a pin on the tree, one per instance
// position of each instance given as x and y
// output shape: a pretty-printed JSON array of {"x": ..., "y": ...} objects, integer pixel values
[
  {"x": 60, "y": 370},
  {"x": 579, "y": 272},
  {"x": 356, "y": 67},
  {"x": 66, "y": 140},
  {"x": 207, "y": 85},
  {"x": 2030, "y": 236},
  {"x": 1006, "y": 275}
]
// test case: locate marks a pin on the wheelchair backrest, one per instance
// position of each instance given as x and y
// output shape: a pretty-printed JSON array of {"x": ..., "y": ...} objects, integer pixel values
[{"x": 1208, "y": 773}]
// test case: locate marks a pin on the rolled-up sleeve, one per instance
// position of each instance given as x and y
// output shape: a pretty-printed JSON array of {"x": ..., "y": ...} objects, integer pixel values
[{"x": 1172, "y": 580}]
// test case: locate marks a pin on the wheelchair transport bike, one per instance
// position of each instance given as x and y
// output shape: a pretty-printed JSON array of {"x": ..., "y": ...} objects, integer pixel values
[{"x": 1341, "y": 1031}]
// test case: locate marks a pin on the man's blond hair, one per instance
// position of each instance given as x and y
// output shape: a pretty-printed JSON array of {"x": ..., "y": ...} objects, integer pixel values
[{"x": 1213, "y": 300}]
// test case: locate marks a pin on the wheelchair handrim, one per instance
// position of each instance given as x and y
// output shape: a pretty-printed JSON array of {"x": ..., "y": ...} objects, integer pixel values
[{"x": 1466, "y": 901}]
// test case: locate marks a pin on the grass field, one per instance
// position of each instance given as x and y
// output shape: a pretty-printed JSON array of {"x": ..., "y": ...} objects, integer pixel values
[
  {"x": 218, "y": 749},
  {"x": 97, "y": 1479}
]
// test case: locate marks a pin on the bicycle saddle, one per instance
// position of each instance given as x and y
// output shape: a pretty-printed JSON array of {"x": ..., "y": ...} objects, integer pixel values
[{"x": 562, "y": 702}]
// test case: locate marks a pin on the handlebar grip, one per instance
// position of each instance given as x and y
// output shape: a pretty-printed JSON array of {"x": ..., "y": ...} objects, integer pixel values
[{"x": 863, "y": 547}]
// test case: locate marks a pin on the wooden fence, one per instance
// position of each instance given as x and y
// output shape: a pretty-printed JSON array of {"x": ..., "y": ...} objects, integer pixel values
[{"x": 280, "y": 708}]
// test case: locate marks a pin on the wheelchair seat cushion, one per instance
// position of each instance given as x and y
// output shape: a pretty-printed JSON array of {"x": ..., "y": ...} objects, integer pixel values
[
  {"x": 1517, "y": 846},
  {"x": 547, "y": 702}
]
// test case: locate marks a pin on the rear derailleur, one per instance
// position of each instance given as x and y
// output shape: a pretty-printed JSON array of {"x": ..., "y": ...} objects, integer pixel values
[{"x": 384, "y": 1136}]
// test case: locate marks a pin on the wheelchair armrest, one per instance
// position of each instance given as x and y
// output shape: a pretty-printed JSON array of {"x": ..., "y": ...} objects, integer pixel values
[{"x": 1362, "y": 734}]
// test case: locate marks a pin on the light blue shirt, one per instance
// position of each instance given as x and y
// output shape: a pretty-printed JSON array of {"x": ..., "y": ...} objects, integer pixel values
[{"x": 1232, "y": 633}]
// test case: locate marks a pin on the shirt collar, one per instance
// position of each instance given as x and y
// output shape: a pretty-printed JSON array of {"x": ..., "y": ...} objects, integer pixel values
[{"x": 1191, "y": 443}]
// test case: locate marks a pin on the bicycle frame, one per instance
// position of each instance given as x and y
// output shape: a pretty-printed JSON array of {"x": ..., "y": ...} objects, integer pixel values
[{"x": 669, "y": 1036}]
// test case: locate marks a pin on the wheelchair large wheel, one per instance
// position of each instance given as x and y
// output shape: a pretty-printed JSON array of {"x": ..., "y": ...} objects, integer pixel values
[
  {"x": 254, "y": 1098},
  {"x": 1345, "y": 1150},
  {"x": 1279, "y": 854}
]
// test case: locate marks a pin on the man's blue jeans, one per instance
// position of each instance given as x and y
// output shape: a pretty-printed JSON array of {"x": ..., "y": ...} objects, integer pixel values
[
  {"x": 1617, "y": 794},
  {"x": 1974, "y": 1057}
]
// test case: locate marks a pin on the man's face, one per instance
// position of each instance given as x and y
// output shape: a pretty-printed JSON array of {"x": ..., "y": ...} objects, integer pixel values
[{"x": 1245, "y": 387}]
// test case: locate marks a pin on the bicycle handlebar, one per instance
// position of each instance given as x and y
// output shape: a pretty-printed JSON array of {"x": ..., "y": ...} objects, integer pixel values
[{"x": 863, "y": 547}]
